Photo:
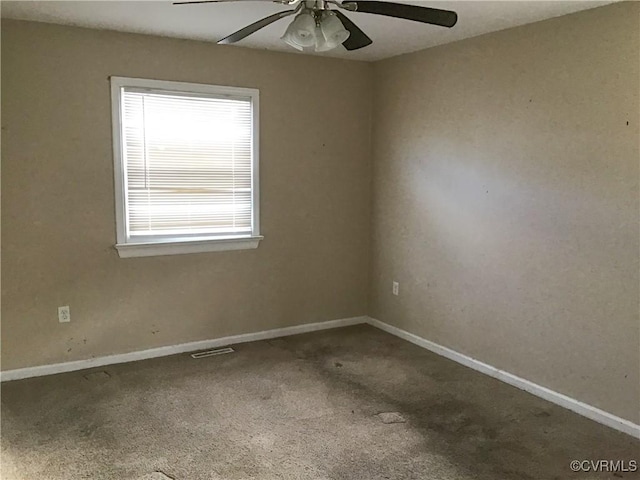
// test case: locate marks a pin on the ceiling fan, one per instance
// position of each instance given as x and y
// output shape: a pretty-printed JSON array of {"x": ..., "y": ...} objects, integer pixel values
[{"x": 317, "y": 27}]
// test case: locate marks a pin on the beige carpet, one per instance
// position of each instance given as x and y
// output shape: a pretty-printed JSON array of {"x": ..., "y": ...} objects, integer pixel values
[{"x": 352, "y": 403}]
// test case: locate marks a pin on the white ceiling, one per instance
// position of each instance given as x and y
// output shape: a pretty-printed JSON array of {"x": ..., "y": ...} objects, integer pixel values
[{"x": 211, "y": 22}]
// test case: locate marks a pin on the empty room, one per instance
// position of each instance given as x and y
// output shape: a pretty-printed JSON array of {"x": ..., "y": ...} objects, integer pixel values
[{"x": 320, "y": 240}]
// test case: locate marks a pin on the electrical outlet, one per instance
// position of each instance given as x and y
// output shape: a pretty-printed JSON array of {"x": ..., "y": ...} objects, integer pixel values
[
  {"x": 396, "y": 288},
  {"x": 64, "y": 314}
]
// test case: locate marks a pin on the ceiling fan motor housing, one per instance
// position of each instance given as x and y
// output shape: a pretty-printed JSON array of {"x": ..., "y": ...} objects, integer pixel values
[{"x": 316, "y": 4}]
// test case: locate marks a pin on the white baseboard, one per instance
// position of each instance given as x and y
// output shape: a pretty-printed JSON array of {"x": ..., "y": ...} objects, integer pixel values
[
  {"x": 42, "y": 370},
  {"x": 572, "y": 404}
]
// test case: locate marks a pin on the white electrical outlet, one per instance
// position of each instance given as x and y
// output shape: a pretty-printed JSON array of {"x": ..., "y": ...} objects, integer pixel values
[
  {"x": 64, "y": 314},
  {"x": 395, "y": 288}
]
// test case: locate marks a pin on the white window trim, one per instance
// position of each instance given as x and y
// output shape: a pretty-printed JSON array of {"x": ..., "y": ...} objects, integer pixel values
[{"x": 128, "y": 247}]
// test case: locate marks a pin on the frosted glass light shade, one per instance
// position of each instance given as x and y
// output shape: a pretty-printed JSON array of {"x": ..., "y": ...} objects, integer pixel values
[
  {"x": 301, "y": 33},
  {"x": 321, "y": 44},
  {"x": 333, "y": 32}
]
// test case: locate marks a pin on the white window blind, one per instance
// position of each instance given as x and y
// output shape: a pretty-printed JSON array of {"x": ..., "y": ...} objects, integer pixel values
[{"x": 188, "y": 162}]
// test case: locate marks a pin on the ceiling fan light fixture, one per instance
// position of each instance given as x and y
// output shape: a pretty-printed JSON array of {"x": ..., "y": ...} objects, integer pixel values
[
  {"x": 321, "y": 44},
  {"x": 332, "y": 30},
  {"x": 301, "y": 33}
]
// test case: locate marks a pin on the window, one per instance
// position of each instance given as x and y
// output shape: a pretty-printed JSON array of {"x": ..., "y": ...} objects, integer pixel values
[{"x": 186, "y": 167}]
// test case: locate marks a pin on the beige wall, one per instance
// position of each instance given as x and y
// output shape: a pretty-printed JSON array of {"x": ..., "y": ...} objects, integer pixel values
[
  {"x": 506, "y": 201},
  {"x": 58, "y": 223}
]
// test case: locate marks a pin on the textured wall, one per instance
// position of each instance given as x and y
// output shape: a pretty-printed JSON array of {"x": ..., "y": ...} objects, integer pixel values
[
  {"x": 506, "y": 201},
  {"x": 58, "y": 223}
]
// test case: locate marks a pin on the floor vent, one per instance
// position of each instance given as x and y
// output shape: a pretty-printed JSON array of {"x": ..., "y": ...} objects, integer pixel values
[
  {"x": 212, "y": 353},
  {"x": 101, "y": 376}
]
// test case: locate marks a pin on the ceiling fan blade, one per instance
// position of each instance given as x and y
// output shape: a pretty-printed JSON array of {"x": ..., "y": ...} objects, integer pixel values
[
  {"x": 254, "y": 27},
  {"x": 434, "y": 16},
  {"x": 217, "y": 1},
  {"x": 357, "y": 38}
]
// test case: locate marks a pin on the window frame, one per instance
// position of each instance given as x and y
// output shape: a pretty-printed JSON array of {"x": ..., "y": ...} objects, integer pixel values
[{"x": 128, "y": 246}]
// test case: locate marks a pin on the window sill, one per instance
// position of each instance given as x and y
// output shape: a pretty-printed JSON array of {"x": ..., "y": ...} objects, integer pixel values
[{"x": 153, "y": 249}]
